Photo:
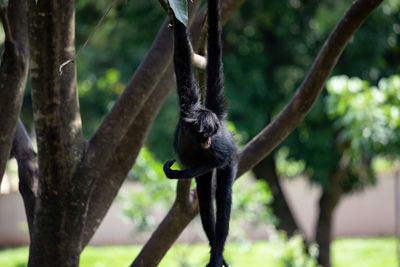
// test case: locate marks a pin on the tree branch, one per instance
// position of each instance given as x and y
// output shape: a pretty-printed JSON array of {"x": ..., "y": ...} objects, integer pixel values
[
  {"x": 106, "y": 186},
  {"x": 27, "y": 171},
  {"x": 295, "y": 111},
  {"x": 117, "y": 122},
  {"x": 13, "y": 75},
  {"x": 198, "y": 61}
]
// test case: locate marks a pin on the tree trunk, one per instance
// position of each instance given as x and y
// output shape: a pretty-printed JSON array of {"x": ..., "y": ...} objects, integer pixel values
[
  {"x": 60, "y": 205},
  {"x": 13, "y": 74},
  {"x": 328, "y": 201},
  {"x": 324, "y": 228},
  {"x": 266, "y": 171}
]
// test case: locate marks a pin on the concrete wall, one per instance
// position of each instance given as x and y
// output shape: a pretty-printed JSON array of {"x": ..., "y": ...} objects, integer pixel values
[{"x": 368, "y": 213}]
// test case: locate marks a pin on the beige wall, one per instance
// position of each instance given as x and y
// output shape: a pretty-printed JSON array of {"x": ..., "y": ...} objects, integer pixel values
[{"x": 369, "y": 213}]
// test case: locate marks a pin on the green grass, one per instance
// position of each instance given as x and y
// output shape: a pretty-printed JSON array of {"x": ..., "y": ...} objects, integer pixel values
[
  {"x": 371, "y": 252},
  {"x": 377, "y": 252}
]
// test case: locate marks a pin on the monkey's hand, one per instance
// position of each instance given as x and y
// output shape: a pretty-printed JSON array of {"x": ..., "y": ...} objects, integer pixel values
[{"x": 167, "y": 169}]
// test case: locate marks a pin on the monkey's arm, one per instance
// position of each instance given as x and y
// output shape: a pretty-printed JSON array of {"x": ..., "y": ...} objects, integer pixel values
[
  {"x": 187, "y": 173},
  {"x": 215, "y": 76},
  {"x": 187, "y": 90}
]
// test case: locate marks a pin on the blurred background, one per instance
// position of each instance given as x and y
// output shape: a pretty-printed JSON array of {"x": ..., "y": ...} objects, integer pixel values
[{"x": 336, "y": 175}]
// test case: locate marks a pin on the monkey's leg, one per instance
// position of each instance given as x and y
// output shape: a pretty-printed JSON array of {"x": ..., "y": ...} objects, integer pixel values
[
  {"x": 204, "y": 193},
  {"x": 225, "y": 177}
]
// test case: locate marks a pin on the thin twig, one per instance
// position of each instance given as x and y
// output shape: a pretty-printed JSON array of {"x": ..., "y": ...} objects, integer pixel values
[
  {"x": 198, "y": 61},
  {"x": 6, "y": 24},
  {"x": 90, "y": 37}
]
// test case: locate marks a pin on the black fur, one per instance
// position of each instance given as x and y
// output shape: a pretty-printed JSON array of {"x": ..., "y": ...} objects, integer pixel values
[{"x": 202, "y": 141}]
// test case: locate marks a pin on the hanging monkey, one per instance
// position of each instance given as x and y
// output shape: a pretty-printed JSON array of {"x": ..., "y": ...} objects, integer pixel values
[{"x": 202, "y": 140}]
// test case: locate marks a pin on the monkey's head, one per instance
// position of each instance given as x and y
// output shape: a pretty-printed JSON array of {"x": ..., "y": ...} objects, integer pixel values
[{"x": 201, "y": 124}]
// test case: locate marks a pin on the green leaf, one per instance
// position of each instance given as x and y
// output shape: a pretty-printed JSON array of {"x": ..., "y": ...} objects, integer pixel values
[{"x": 180, "y": 9}]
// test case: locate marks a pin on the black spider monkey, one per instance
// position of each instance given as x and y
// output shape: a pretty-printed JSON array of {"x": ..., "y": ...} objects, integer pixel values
[{"x": 202, "y": 141}]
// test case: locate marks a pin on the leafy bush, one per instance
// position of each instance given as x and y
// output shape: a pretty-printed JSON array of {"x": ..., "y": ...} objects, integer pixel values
[{"x": 293, "y": 252}]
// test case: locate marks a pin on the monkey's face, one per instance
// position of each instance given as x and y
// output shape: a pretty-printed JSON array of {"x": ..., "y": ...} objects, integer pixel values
[{"x": 202, "y": 126}]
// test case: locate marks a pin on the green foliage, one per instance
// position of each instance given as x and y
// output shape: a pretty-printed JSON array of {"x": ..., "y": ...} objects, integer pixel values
[
  {"x": 391, "y": 108},
  {"x": 180, "y": 9},
  {"x": 153, "y": 191},
  {"x": 122, "y": 40},
  {"x": 366, "y": 117},
  {"x": 293, "y": 252},
  {"x": 97, "y": 95},
  {"x": 288, "y": 167},
  {"x": 250, "y": 207}
]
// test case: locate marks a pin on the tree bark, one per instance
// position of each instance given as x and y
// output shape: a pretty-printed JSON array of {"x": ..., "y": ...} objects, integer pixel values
[
  {"x": 60, "y": 207},
  {"x": 266, "y": 171},
  {"x": 328, "y": 201},
  {"x": 13, "y": 74}
]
